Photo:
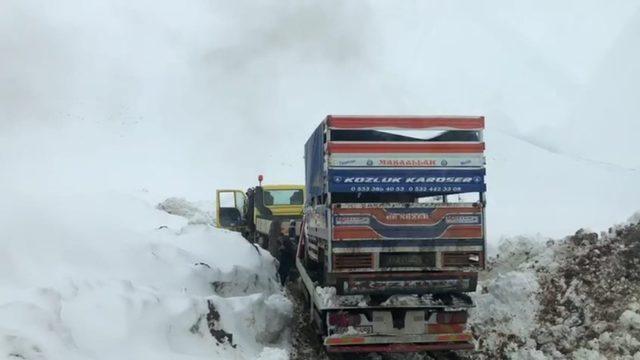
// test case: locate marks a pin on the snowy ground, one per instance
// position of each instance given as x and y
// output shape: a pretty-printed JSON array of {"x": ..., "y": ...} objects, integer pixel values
[
  {"x": 117, "y": 277},
  {"x": 578, "y": 298},
  {"x": 99, "y": 97}
]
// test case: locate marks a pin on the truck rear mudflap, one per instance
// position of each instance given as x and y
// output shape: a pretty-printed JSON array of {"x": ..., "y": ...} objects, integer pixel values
[{"x": 406, "y": 283}]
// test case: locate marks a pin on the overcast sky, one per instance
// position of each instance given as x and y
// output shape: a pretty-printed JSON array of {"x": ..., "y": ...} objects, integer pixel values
[{"x": 182, "y": 97}]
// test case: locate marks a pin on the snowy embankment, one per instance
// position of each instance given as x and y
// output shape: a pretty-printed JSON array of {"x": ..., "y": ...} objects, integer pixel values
[
  {"x": 119, "y": 277},
  {"x": 578, "y": 298}
]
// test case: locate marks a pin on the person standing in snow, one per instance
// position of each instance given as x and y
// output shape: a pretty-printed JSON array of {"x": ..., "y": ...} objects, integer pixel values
[{"x": 286, "y": 255}]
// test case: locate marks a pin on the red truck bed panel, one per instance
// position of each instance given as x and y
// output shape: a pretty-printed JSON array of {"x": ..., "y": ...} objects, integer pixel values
[
  {"x": 406, "y": 122},
  {"x": 405, "y": 148}
]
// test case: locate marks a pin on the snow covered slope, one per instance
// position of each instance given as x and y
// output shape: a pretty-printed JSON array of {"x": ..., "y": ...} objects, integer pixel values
[
  {"x": 110, "y": 276},
  {"x": 533, "y": 190}
]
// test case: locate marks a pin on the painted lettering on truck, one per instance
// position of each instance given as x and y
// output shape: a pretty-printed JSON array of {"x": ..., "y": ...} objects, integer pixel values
[{"x": 408, "y": 180}]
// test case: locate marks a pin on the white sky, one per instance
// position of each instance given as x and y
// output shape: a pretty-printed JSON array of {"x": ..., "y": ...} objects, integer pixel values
[{"x": 183, "y": 97}]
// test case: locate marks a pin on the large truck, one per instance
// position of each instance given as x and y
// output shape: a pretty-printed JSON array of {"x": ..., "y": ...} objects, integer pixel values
[
  {"x": 393, "y": 233},
  {"x": 268, "y": 215}
]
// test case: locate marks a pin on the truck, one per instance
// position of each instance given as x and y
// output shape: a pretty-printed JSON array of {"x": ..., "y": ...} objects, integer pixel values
[
  {"x": 393, "y": 234},
  {"x": 267, "y": 215}
]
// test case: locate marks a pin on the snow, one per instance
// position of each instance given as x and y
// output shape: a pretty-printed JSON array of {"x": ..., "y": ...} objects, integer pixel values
[
  {"x": 509, "y": 290},
  {"x": 328, "y": 298},
  {"x": 273, "y": 354},
  {"x": 586, "y": 354},
  {"x": 108, "y": 108},
  {"x": 534, "y": 191},
  {"x": 194, "y": 213},
  {"x": 106, "y": 276},
  {"x": 113, "y": 275},
  {"x": 573, "y": 298},
  {"x": 502, "y": 293},
  {"x": 424, "y": 300},
  {"x": 630, "y": 320}
]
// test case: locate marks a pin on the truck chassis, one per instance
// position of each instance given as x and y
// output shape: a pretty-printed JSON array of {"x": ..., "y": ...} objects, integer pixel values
[{"x": 357, "y": 324}]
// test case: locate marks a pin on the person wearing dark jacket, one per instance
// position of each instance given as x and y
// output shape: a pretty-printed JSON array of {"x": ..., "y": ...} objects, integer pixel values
[{"x": 286, "y": 255}]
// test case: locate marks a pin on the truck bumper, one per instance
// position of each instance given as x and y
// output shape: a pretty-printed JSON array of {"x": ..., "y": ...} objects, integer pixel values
[
  {"x": 405, "y": 283},
  {"x": 398, "y": 344}
]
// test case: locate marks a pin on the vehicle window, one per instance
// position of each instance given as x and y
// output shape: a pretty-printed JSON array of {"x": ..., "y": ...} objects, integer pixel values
[
  {"x": 240, "y": 202},
  {"x": 284, "y": 197},
  {"x": 227, "y": 199}
]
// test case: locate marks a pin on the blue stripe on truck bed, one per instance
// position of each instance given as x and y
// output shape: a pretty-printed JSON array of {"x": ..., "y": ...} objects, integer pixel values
[{"x": 435, "y": 181}]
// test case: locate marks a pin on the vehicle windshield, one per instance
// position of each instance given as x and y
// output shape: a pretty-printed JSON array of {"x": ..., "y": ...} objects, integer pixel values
[{"x": 283, "y": 197}]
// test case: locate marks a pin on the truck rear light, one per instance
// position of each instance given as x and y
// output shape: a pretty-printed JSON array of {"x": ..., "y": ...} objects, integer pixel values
[
  {"x": 462, "y": 259},
  {"x": 344, "y": 320},
  {"x": 456, "y": 317}
]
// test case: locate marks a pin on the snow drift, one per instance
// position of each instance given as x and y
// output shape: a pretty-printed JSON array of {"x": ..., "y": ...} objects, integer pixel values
[
  {"x": 578, "y": 298},
  {"x": 113, "y": 277}
]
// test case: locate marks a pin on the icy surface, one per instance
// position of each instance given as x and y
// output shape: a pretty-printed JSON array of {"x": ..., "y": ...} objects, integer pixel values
[{"x": 111, "y": 276}]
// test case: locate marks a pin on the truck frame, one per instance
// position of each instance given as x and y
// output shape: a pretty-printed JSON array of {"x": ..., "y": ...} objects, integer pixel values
[{"x": 393, "y": 234}]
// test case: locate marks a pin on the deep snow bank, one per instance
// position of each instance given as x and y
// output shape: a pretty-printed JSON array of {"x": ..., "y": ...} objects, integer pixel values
[
  {"x": 578, "y": 298},
  {"x": 114, "y": 277}
]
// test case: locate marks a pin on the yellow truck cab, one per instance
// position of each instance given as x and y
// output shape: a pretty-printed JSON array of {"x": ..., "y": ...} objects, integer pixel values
[
  {"x": 284, "y": 200},
  {"x": 263, "y": 214}
]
